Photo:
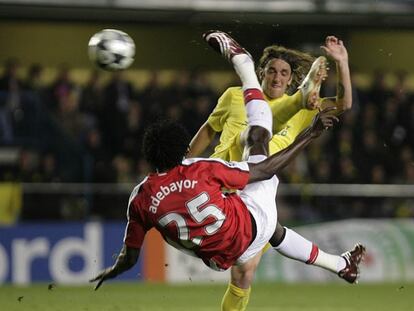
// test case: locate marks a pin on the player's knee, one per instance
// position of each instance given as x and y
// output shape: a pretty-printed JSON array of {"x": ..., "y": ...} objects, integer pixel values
[
  {"x": 257, "y": 135},
  {"x": 243, "y": 280}
]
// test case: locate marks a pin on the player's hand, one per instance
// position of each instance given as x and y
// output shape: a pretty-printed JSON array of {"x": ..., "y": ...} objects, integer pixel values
[
  {"x": 335, "y": 49},
  {"x": 323, "y": 121},
  {"x": 106, "y": 274}
]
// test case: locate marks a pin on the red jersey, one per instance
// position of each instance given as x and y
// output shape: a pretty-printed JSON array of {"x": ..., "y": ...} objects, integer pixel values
[{"x": 186, "y": 205}]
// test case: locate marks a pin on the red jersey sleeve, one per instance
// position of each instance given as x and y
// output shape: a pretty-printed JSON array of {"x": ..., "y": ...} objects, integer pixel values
[{"x": 135, "y": 230}]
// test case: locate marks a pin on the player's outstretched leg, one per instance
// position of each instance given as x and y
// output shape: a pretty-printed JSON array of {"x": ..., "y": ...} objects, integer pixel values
[
  {"x": 259, "y": 115},
  {"x": 353, "y": 258},
  {"x": 292, "y": 245},
  {"x": 311, "y": 85}
]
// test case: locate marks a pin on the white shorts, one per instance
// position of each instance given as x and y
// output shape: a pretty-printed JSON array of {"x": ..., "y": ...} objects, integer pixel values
[{"x": 260, "y": 199}]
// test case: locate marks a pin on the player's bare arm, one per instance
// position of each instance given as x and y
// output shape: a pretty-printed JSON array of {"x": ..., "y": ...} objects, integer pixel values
[
  {"x": 272, "y": 165},
  {"x": 335, "y": 50},
  {"x": 201, "y": 140},
  {"x": 126, "y": 259}
]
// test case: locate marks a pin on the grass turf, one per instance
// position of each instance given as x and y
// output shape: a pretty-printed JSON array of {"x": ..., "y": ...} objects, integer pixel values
[{"x": 157, "y": 297}]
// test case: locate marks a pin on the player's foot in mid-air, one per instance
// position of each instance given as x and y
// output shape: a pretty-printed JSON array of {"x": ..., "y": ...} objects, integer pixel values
[
  {"x": 224, "y": 44},
  {"x": 311, "y": 85},
  {"x": 352, "y": 258}
]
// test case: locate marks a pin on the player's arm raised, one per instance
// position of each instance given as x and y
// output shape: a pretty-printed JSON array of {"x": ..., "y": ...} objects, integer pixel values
[
  {"x": 126, "y": 259},
  {"x": 272, "y": 165},
  {"x": 335, "y": 50},
  {"x": 201, "y": 140}
]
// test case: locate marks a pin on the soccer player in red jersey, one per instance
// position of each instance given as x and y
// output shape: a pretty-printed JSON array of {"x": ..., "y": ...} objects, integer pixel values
[{"x": 183, "y": 198}]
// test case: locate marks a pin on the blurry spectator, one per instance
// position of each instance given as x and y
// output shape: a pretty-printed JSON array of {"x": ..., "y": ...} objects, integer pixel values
[
  {"x": 370, "y": 153},
  {"x": 33, "y": 81},
  {"x": 175, "y": 112},
  {"x": 199, "y": 85},
  {"x": 323, "y": 172},
  {"x": 409, "y": 173},
  {"x": 9, "y": 81},
  {"x": 152, "y": 96},
  {"x": 48, "y": 169},
  {"x": 409, "y": 123},
  {"x": 134, "y": 131},
  {"x": 407, "y": 154},
  {"x": 369, "y": 116},
  {"x": 60, "y": 89},
  {"x": 345, "y": 142},
  {"x": 197, "y": 113},
  {"x": 378, "y": 92},
  {"x": 123, "y": 169},
  {"x": 378, "y": 175},
  {"x": 10, "y": 92},
  {"x": 180, "y": 89},
  {"x": 68, "y": 116},
  {"x": 96, "y": 160},
  {"x": 91, "y": 96},
  {"x": 347, "y": 171},
  {"x": 118, "y": 94},
  {"x": 29, "y": 166},
  {"x": 389, "y": 120},
  {"x": 401, "y": 92},
  {"x": 142, "y": 169}
]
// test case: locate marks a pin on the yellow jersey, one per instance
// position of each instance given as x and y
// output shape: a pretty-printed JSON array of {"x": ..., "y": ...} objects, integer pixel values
[{"x": 229, "y": 117}]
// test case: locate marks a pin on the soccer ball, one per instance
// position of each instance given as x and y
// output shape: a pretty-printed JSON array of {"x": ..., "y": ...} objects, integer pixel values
[{"x": 111, "y": 49}]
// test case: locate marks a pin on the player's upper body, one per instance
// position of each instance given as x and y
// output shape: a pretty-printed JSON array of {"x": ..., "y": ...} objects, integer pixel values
[
  {"x": 280, "y": 71},
  {"x": 186, "y": 205}
]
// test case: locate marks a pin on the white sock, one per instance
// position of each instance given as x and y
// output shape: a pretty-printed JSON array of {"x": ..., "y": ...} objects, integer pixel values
[
  {"x": 259, "y": 114},
  {"x": 329, "y": 262},
  {"x": 244, "y": 66},
  {"x": 297, "y": 247}
]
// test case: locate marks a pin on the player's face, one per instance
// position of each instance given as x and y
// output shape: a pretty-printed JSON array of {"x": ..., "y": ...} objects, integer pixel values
[{"x": 276, "y": 77}]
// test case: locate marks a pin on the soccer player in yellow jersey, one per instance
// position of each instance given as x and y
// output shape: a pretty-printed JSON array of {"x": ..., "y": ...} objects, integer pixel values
[{"x": 280, "y": 71}]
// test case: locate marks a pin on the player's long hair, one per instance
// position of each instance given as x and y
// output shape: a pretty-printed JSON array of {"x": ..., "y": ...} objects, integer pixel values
[
  {"x": 299, "y": 62},
  {"x": 165, "y": 144}
]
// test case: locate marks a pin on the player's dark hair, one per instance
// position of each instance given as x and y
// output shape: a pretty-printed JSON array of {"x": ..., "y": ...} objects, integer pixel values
[
  {"x": 165, "y": 144},
  {"x": 300, "y": 63}
]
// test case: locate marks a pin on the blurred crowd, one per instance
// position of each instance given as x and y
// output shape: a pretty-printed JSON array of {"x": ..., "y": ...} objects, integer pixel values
[{"x": 92, "y": 133}]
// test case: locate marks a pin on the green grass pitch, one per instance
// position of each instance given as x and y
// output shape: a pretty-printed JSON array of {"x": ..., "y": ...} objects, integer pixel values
[{"x": 156, "y": 297}]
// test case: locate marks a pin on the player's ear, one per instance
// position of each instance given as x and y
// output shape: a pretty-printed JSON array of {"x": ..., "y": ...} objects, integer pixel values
[
  {"x": 260, "y": 73},
  {"x": 290, "y": 80}
]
